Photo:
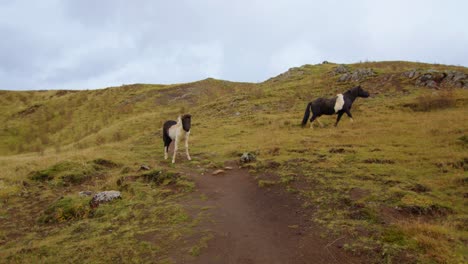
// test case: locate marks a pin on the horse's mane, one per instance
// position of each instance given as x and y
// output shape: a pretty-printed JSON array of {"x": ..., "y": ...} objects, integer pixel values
[{"x": 353, "y": 90}]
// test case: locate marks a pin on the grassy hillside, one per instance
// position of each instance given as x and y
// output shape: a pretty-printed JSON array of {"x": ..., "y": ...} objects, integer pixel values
[{"x": 393, "y": 183}]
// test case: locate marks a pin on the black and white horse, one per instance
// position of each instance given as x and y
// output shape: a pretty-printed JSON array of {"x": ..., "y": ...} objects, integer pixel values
[
  {"x": 175, "y": 131},
  {"x": 328, "y": 106}
]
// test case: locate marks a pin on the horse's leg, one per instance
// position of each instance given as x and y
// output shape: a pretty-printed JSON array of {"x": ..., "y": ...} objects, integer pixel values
[
  {"x": 176, "y": 146},
  {"x": 348, "y": 112},
  {"x": 314, "y": 116},
  {"x": 340, "y": 113},
  {"x": 167, "y": 141},
  {"x": 320, "y": 123},
  {"x": 186, "y": 147}
]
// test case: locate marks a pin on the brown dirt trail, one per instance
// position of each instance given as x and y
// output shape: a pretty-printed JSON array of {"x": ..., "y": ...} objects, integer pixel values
[{"x": 258, "y": 225}]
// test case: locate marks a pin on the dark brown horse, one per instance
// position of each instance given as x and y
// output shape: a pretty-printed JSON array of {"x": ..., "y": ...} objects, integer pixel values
[{"x": 338, "y": 105}]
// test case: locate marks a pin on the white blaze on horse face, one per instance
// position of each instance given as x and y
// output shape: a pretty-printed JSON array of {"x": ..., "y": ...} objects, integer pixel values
[{"x": 339, "y": 102}]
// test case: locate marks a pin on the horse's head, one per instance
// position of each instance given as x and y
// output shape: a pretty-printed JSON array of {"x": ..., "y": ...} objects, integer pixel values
[
  {"x": 186, "y": 122},
  {"x": 358, "y": 91}
]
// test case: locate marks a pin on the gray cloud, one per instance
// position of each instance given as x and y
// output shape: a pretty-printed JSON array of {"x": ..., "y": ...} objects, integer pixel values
[{"x": 93, "y": 44}]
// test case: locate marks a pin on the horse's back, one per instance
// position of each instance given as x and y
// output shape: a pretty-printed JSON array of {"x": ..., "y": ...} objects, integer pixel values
[
  {"x": 324, "y": 106},
  {"x": 167, "y": 125}
]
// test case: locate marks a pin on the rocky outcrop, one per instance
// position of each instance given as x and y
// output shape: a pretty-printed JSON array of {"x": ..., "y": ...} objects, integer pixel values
[
  {"x": 340, "y": 69},
  {"x": 346, "y": 75},
  {"x": 104, "y": 197},
  {"x": 292, "y": 72},
  {"x": 435, "y": 79}
]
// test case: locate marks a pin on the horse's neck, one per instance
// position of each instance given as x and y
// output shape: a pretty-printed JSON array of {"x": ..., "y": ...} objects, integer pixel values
[
  {"x": 180, "y": 131},
  {"x": 350, "y": 96}
]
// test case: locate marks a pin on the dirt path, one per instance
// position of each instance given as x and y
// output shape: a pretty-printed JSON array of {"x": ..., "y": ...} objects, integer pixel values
[{"x": 258, "y": 225}]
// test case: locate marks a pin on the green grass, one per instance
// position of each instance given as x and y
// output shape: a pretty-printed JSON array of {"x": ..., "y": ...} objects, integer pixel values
[
  {"x": 393, "y": 182},
  {"x": 49, "y": 222}
]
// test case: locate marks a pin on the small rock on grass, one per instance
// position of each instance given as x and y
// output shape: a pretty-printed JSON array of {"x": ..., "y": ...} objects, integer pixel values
[
  {"x": 104, "y": 197},
  {"x": 144, "y": 167},
  {"x": 216, "y": 172},
  {"x": 247, "y": 157},
  {"x": 85, "y": 193}
]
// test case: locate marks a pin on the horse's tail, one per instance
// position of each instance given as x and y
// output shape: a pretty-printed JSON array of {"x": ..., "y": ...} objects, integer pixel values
[{"x": 306, "y": 114}]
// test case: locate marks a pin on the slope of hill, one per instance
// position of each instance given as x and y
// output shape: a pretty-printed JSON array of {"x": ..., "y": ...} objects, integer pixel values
[{"x": 391, "y": 186}]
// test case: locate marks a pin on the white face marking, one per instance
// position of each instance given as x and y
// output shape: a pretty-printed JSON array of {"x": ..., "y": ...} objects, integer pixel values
[{"x": 339, "y": 102}]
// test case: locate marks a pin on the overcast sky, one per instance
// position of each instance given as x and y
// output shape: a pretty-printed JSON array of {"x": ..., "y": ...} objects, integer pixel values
[{"x": 87, "y": 44}]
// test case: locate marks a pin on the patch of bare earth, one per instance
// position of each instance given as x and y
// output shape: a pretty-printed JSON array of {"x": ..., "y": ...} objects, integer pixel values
[{"x": 249, "y": 224}]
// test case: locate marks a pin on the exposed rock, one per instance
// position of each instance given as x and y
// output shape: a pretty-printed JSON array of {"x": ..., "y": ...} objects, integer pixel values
[
  {"x": 357, "y": 75},
  {"x": 144, "y": 167},
  {"x": 435, "y": 79},
  {"x": 340, "y": 69},
  {"x": 431, "y": 79},
  {"x": 228, "y": 168},
  {"x": 411, "y": 74},
  {"x": 344, "y": 77},
  {"x": 216, "y": 172},
  {"x": 247, "y": 157},
  {"x": 458, "y": 76},
  {"x": 431, "y": 84},
  {"x": 104, "y": 197},
  {"x": 292, "y": 72},
  {"x": 85, "y": 193}
]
